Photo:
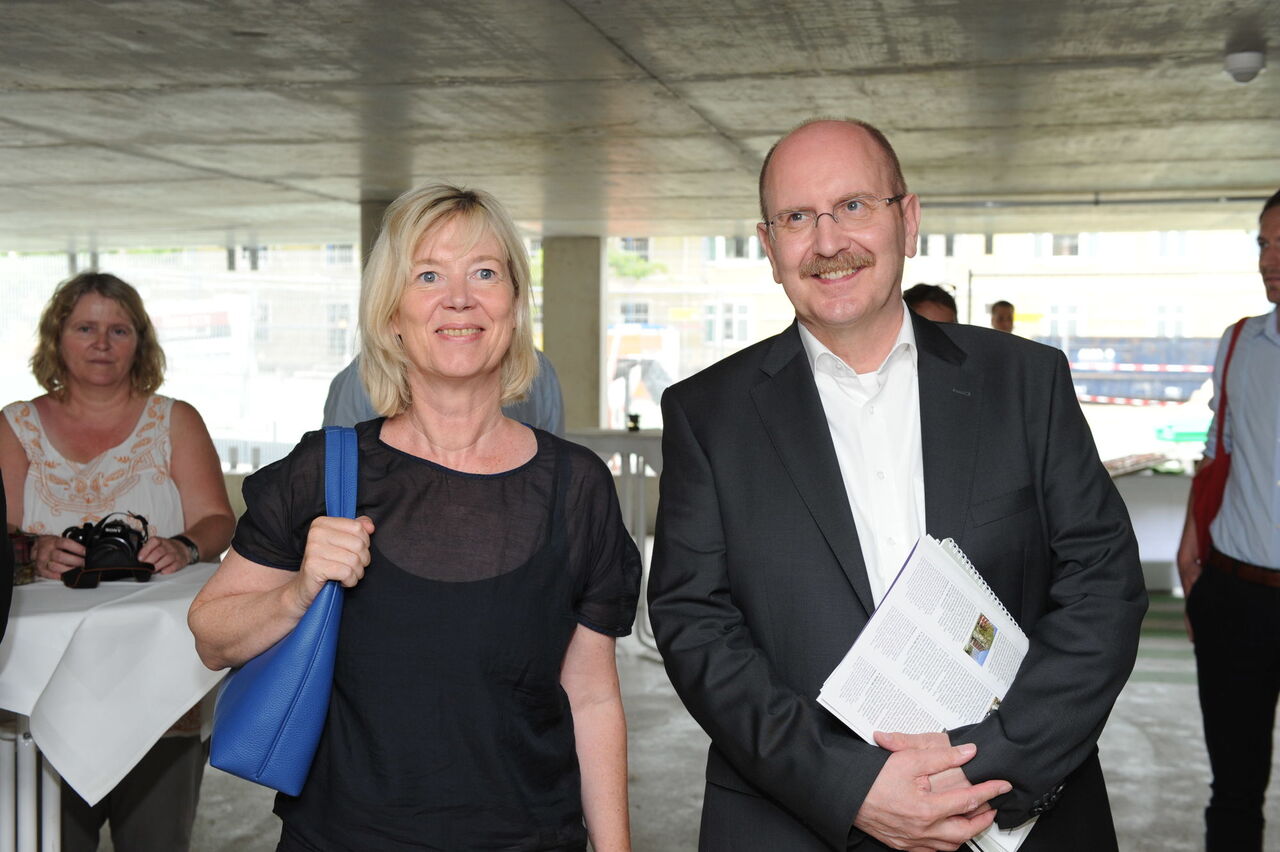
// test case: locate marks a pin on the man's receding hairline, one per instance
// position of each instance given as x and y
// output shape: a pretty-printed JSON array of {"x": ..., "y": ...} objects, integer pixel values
[{"x": 899, "y": 183}]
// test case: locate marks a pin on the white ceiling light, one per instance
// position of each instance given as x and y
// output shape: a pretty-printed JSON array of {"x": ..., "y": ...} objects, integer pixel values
[{"x": 1244, "y": 65}]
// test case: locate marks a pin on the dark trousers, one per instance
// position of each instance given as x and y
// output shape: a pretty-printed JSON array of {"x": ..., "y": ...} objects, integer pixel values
[
  {"x": 1237, "y": 644},
  {"x": 153, "y": 808}
]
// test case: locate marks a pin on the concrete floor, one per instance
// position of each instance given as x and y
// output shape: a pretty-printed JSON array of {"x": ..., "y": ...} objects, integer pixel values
[{"x": 1152, "y": 752}]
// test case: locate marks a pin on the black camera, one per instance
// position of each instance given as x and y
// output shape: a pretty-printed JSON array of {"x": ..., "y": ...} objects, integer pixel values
[{"x": 111, "y": 552}]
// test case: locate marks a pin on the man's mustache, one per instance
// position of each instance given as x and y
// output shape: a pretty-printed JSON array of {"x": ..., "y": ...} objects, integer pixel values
[{"x": 819, "y": 265}]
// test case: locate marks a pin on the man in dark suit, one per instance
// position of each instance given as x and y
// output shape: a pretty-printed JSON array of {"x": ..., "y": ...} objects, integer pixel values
[{"x": 798, "y": 474}]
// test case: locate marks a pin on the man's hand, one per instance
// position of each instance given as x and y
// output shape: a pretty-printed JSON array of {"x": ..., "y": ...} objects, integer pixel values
[
  {"x": 948, "y": 779},
  {"x": 921, "y": 801},
  {"x": 1188, "y": 556}
]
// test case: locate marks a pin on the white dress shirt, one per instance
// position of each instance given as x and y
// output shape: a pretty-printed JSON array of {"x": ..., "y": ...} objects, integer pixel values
[{"x": 874, "y": 420}]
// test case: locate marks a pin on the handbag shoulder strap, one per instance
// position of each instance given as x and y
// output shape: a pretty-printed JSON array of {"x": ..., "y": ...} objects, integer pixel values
[
  {"x": 1221, "y": 414},
  {"x": 340, "y": 471}
]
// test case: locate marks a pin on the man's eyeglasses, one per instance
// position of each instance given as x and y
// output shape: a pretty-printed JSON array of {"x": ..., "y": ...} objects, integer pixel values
[{"x": 848, "y": 214}]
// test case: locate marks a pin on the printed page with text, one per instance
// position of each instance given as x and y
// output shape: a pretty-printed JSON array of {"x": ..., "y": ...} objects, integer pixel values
[{"x": 939, "y": 652}]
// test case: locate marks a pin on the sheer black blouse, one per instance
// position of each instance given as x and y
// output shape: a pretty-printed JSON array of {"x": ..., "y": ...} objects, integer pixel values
[{"x": 448, "y": 728}]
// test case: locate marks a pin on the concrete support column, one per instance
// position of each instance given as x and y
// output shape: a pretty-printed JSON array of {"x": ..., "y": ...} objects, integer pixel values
[
  {"x": 371, "y": 213},
  {"x": 573, "y": 324}
]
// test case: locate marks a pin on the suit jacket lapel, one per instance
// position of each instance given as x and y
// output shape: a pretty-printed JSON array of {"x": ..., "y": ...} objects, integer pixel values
[
  {"x": 950, "y": 399},
  {"x": 792, "y": 412}
]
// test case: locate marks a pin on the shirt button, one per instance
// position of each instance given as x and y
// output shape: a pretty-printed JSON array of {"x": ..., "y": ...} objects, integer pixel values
[
  {"x": 871, "y": 408},
  {"x": 879, "y": 474}
]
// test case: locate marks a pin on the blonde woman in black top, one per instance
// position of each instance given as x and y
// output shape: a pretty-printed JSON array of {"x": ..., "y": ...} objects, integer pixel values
[{"x": 476, "y": 701}]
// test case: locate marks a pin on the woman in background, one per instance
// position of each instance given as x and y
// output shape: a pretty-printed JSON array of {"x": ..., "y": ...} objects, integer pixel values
[
  {"x": 100, "y": 440},
  {"x": 475, "y": 700}
]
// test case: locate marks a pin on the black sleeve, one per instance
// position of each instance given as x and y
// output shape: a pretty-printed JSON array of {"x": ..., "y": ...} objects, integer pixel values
[
  {"x": 281, "y": 500},
  {"x": 6, "y": 572},
  {"x": 1085, "y": 640},
  {"x": 605, "y": 557}
]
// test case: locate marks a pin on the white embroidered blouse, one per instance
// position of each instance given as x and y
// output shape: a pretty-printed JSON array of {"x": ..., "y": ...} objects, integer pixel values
[{"x": 133, "y": 476}]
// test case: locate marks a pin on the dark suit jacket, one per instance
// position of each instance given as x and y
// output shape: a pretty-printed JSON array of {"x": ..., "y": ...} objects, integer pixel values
[
  {"x": 758, "y": 585},
  {"x": 6, "y": 573}
]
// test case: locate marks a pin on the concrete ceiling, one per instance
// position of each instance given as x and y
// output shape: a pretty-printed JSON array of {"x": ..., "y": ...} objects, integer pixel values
[{"x": 175, "y": 122}]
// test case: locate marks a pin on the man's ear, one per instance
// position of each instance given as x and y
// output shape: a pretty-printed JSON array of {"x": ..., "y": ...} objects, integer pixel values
[
  {"x": 911, "y": 223},
  {"x": 766, "y": 242}
]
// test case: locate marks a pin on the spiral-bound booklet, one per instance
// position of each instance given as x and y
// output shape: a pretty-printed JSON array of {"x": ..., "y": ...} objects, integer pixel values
[{"x": 939, "y": 652}]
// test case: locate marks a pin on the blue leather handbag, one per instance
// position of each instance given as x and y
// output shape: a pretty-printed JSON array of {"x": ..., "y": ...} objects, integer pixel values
[{"x": 271, "y": 711}]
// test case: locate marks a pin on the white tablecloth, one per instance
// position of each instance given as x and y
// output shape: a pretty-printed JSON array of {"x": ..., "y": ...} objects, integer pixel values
[{"x": 102, "y": 673}]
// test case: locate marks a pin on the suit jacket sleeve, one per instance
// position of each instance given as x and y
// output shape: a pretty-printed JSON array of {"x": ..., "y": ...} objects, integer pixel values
[
  {"x": 1082, "y": 602},
  {"x": 6, "y": 572},
  {"x": 783, "y": 742}
]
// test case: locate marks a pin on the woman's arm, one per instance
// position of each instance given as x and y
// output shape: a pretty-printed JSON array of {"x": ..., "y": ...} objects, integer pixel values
[
  {"x": 207, "y": 512},
  {"x": 589, "y": 676},
  {"x": 245, "y": 608},
  {"x": 51, "y": 554}
]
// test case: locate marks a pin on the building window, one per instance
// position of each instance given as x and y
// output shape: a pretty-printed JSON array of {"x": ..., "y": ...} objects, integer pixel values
[
  {"x": 1066, "y": 245},
  {"x": 988, "y": 243},
  {"x": 1169, "y": 321},
  {"x": 733, "y": 248},
  {"x": 1063, "y": 322},
  {"x": 924, "y": 245},
  {"x": 635, "y": 313},
  {"x": 950, "y": 246},
  {"x": 726, "y": 322},
  {"x": 257, "y": 256},
  {"x": 638, "y": 246},
  {"x": 338, "y": 254},
  {"x": 339, "y": 323},
  {"x": 262, "y": 323}
]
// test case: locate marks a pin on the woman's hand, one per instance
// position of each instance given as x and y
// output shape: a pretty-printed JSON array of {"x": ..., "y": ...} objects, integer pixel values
[
  {"x": 53, "y": 555},
  {"x": 165, "y": 554},
  {"x": 337, "y": 549}
]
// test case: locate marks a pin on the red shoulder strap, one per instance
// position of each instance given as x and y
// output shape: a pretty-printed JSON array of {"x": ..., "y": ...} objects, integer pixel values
[{"x": 1221, "y": 414}]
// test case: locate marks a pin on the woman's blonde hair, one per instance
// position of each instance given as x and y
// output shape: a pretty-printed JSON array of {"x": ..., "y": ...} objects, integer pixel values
[
  {"x": 408, "y": 219},
  {"x": 147, "y": 371}
]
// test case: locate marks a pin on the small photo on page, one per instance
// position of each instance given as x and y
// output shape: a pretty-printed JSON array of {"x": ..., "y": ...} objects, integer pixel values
[{"x": 979, "y": 644}]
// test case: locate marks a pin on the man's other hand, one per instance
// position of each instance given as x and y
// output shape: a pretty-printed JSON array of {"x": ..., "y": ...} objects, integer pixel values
[{"x": 921, "y": 801}]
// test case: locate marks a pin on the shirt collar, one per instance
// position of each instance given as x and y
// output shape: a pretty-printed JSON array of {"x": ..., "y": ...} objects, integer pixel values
[
  {"x": 817, "y": 352},
  {"x": 1269, "y": 328}
]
